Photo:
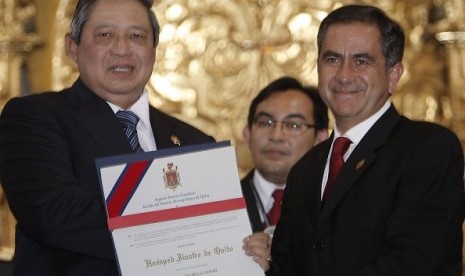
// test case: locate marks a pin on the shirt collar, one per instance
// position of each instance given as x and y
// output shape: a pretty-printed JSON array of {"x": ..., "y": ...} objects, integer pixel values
[
  {"x": 265, "y": 189},
  {"x": 356, "y": 133},
  {"x": 140, "y": 108}
]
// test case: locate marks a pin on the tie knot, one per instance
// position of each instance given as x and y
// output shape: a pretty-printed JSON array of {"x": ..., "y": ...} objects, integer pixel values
[
  {"x": 340, "y": 146},
  {"x": 127, "y": 118},
  {"x": 278, "y": 195}
]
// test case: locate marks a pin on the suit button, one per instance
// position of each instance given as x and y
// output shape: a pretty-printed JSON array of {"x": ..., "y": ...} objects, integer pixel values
[{"x": 317, "y": 245}]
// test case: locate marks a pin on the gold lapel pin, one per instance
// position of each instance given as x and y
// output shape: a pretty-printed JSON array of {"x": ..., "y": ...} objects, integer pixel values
[
  {"x": 175, "y": 139},
  {"x": 360, "y": 164}
]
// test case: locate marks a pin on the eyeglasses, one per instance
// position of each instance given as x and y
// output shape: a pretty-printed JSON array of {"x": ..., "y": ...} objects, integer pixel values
[{"x": 288, "y": 127}]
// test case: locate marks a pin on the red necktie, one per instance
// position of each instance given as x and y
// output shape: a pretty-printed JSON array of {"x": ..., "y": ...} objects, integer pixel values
[
  {"x": 340, "y": 146},
  {"x": 275, "y": 212}
]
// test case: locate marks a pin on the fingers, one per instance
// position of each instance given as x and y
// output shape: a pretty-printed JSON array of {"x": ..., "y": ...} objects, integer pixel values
[
  {"x": 259, "y": 241},
  {"x": 258, "y": 246}
]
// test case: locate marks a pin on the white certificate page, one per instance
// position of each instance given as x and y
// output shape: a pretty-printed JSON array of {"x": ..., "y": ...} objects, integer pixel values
[{"x": 177, "y": 212}]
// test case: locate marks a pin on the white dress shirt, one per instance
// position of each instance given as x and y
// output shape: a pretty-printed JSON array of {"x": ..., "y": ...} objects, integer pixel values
[
  {"x": 265, "y": 191},
  {"x": 144, "y": 128},
  {"x": 355, "y": 134}
]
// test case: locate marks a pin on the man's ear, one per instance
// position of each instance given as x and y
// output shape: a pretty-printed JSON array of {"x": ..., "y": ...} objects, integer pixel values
[
  {"x": 246, "y": 135},
  {"x": 395, "y": 73},
  {"x": 71, "y": 47},
  {"x": 321, "y": 135}
]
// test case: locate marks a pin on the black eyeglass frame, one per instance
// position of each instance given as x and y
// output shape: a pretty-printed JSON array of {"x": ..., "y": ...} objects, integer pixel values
[{"x": 286, "y": 125}]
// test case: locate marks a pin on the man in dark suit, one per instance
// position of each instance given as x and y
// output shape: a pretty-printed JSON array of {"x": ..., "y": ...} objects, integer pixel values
[
  {"x": 396, "y": 206},
  {"x": 285, "y": 120},
  {"x": 49, "y": 142}
]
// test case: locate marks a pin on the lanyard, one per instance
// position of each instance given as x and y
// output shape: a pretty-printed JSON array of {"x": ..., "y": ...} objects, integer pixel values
[{"x": 259, "y": 203}]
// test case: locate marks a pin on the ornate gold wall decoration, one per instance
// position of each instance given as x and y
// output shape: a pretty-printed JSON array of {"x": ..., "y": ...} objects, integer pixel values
[
  {"x": 64, "y": 73},
  {"x": 7, "y": 226},
  {"x": 450, "y": 31},
  {"x": 422, "y": 92},
  {"x": 455, "y": 43},
  {"x": 215, "y": 55},
  {"x": 17, "y": 38}
]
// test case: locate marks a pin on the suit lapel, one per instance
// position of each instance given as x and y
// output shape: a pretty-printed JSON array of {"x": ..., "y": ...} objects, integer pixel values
[
  {"x": 361, "y": 158},
  {"x": 312, "y": 182},
  {"x": 95, "y": 116},
  {"x": 251, "y": 201},
  {"x": 164, "y": 131}
]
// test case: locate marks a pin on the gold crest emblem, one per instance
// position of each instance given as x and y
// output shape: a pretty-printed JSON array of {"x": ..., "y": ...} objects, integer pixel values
[
  {"x": 175, "y": 139},
  {"x": 171, "y": 177}
]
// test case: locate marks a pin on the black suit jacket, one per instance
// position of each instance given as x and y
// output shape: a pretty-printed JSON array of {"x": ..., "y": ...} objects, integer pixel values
[
  {"x": 396, "y": 208},
  {"x": 48, "y": 146},
  {"x": 251, "y": 202}
]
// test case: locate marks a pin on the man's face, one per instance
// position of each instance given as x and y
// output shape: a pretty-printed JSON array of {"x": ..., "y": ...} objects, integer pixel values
[
  {"x": 353, "y": 78},
  {"x": 116, "y": 54},
  {"x": 274, "y": 152}
]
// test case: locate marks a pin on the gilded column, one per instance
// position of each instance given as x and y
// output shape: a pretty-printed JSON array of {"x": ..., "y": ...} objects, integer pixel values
[
  {"x": 455, "y": 46},
  {"x": 17, "y": 38},
  {"x": 452, "y": 34}
]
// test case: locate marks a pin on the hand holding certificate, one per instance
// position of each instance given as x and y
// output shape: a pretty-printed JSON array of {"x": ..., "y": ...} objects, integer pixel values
[{"x": 177, "y": 212}]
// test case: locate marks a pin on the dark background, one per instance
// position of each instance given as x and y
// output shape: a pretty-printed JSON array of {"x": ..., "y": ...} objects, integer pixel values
[{"x": 5, "y": 269}]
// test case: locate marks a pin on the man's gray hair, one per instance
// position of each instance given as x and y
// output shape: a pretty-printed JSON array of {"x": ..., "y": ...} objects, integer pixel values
[{"x": 83, "y": 9}]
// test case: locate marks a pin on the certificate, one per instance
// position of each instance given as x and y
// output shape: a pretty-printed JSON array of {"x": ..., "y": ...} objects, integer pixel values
[{"x": 177, "y": 212}]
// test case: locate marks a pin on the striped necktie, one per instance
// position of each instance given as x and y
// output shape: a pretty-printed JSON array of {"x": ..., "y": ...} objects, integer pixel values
[{"x": 128, "y": 121}]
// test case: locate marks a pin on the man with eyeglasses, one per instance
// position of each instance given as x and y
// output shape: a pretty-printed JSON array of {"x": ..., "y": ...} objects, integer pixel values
[{"x": 285, "y": 120}]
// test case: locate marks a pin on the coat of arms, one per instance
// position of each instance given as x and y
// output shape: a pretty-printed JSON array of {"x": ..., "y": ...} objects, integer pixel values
[{"x": 171, "y": 176}]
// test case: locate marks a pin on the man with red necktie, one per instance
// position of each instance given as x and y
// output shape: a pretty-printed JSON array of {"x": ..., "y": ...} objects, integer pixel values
[
  {"x": 285, "y": 120},
  {"x": 396, "y": 205}
]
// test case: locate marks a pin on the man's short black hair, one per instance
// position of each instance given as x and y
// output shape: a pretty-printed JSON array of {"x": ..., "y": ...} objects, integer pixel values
[{"x": 283, "y": 84}]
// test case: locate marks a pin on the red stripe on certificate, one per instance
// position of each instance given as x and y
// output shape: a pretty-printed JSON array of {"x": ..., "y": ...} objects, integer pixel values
[
  {"x": 176, "y": 213},
  {"x": 125, "y": 188}
]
